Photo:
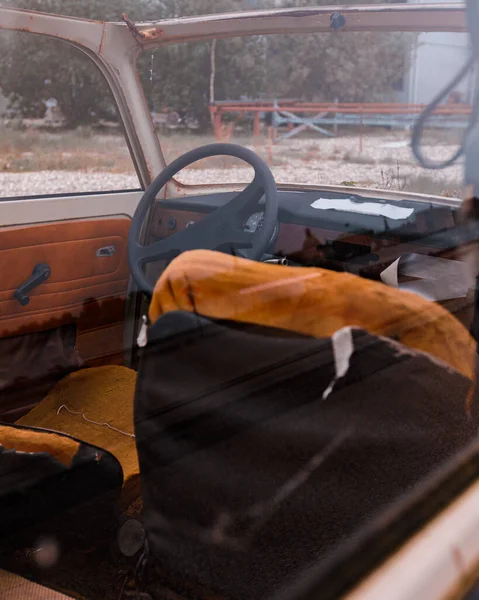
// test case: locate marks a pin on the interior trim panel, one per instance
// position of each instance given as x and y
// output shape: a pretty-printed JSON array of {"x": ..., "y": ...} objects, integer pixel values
[{"x": 86, "y": 286}]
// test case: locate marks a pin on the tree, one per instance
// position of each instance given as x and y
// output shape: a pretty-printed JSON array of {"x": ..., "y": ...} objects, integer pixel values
[
  {"x": 350, "y": 67},
  {"x": 34, "y": 68},
  {"x": 343, "y": 66}
]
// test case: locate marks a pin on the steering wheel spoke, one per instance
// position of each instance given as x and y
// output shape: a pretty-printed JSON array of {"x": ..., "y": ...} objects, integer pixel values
[
  {"x": 200, "y": 235},
  {"x": 240, "y": 239},
  {"x": 157, "y": 251},
  {"x": 249, "y": 197}
]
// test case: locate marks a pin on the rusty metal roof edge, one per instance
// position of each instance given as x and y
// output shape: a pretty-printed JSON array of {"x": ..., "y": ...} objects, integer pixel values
[
  {"x": 365, "y": 17},
  {"x": 307, "y": 11}
]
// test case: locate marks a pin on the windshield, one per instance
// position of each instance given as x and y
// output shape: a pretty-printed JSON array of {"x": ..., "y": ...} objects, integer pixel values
[{"x": 322, "y": 109}]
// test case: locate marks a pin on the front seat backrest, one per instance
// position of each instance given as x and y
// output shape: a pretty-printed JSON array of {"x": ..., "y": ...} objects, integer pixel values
[
  {"x": 251, "y": 475},
  {"x": 310, "y": 301}
]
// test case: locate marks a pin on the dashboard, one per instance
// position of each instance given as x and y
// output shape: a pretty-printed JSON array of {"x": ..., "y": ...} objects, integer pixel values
[
  {"x": 364, "y": 239},
  {"x": 306, "y": 234}
]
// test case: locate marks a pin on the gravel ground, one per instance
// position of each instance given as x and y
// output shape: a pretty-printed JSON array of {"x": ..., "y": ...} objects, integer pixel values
[
  {"x": 327, "y": 172},
  {"x": 331, "y": 172},
  {"x": 385, "y": 162},
  {"x": 58, "y": 182}
]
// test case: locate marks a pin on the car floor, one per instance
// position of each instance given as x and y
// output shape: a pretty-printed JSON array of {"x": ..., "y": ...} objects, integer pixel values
[
  {"x": 75, "y": 554},
  {"x": 13, "y": 587}
]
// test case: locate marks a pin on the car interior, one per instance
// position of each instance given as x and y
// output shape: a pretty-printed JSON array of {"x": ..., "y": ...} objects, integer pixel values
[{"x": 277, "y": 382}]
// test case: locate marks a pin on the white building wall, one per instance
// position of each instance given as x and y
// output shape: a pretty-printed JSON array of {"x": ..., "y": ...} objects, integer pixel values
[{"x": 435, "y": 60}]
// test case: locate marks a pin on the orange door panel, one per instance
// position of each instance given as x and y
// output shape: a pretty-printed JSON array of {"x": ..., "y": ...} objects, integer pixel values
[{"x": 87, "y": 285}]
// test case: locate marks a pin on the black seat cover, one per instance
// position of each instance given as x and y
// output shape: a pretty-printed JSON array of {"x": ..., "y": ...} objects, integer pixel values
[
  {"x": 249, "y": 476},
  {"x": 35, "y": 486}
]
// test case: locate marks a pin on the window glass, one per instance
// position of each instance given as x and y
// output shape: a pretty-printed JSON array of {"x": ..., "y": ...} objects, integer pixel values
[
  {"x": 333, "y": 108},
  {"x": 59, "y": 128},
  {"x": 296, "y": 364}
]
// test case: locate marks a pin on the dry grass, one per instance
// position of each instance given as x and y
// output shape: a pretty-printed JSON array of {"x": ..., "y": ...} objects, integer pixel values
[
  {"x": 422, "y": 184},
  {"x": 392, "y": 178},
  {"x": 79, "y": 150},
  {"x": 452, "y": 137}
]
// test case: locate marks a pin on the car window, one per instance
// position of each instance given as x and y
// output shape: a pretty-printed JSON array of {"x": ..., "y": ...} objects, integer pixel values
[
  {"x": 334, "y": 108},
  {"x": 59, "y": 128}
]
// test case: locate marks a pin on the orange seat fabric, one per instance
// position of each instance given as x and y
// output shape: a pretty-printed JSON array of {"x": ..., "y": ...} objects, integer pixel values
[
  {"x": 61, "y": 448},
  {"x": 310, "y": 301}
]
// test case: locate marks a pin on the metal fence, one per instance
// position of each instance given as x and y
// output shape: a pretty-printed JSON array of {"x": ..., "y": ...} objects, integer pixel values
[{"x": 327, "y": 118}]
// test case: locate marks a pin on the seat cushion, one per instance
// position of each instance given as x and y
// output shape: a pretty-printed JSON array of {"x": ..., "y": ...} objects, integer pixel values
[
  {"x": 103, "y": 395},
  {"x": 62, "y": 449},
  {"x": 310, "y": 301}
]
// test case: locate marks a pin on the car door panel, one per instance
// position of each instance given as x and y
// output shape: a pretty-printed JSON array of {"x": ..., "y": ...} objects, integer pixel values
[
  {"x": 103, "y": 345},
  {"x": 85, "y": 288}
]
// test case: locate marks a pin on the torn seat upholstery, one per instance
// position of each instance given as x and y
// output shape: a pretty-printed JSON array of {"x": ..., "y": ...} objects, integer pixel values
[
  {"x": 311, "y": 301},
  {"x": 251, "y": 472}
]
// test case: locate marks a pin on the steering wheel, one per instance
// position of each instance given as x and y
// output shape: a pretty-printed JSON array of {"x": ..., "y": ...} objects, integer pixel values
[{"x": 221, "y": 230}]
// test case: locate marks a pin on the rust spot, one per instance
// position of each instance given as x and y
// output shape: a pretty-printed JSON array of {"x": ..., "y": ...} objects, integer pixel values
[
  {"x": 149, "y": 34},
  {"x": 131, "y": 26},
  {"x": 102, "y": 40}
]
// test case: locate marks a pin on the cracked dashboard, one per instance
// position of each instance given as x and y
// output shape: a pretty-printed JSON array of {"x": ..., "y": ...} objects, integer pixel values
[{"x": 363, "y": 240}]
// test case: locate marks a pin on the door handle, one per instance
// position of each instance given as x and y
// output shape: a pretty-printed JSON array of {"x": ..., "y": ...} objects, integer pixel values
[
  {"x": 106, "y": 251},
  {"x": 40, "y": 274}
]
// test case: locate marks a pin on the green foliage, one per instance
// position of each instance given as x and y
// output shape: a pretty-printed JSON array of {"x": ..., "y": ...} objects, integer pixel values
[
  {"x": 351, "y": 67},
  {"x": 34, "y": 69},
  {"x": 347, "y": 67}
]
